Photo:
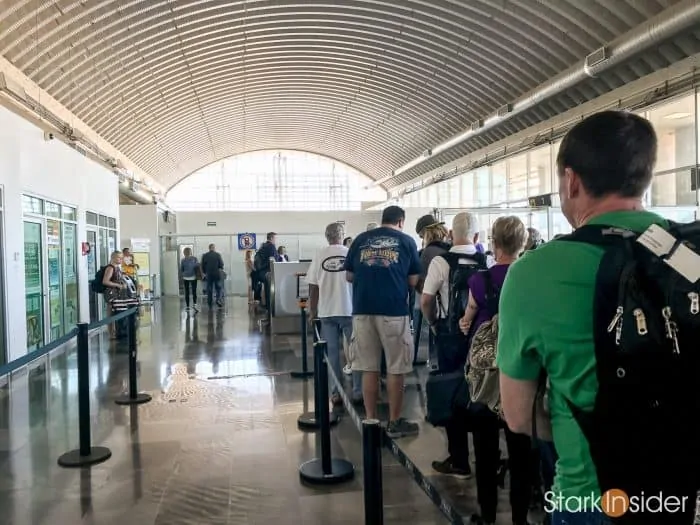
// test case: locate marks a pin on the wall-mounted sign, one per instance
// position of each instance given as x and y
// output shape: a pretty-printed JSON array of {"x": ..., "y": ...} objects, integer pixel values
[
  {"x": 211, "y": 224},
  {"x": 540, "y": 201},
  {"x": 247, "y": 241},
  {"x": 141, "y": 245}
]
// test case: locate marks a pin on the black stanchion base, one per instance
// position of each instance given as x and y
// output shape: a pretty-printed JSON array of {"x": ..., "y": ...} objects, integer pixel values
[
  {"x": 307, "y": 421},
  {"x": 302, "y": 375},
  {"x": 312, "y": 472},
  {"x": 140, "y": 399},
  {"x": 73, "y": 458},
  {"x": 419, "y": 362}
]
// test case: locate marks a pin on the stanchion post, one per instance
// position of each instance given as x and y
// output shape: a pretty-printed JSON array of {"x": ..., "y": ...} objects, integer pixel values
[
  {"x": 372, "y": 471},
  {"x": 87, "y": 454},
  {"x": 325, "y": 470},
  {"x": 134, "y": 397},
  {"x": 304, "y": 373}
]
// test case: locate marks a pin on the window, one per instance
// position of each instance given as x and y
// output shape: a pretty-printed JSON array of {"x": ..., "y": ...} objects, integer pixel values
[
  {"x": 482, "y": 187},
  {"x": 674, "y": 123},
  {"x": 517, "y": 177},
  {"x": 91, "y": 218},
  {"x": 539, "y": 179},
  {"x": 70, "y": 214},
  {"x": 32, "y": 205},
  {"x": 53, "y": 210},
  {"x": 468, "y": 197},
  {"x": 499, "y": 184},
  {"x": 274, "y": 181}
]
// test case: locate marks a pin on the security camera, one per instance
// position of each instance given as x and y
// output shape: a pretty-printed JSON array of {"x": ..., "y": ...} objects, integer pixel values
[{"x": 48, "y": 135}]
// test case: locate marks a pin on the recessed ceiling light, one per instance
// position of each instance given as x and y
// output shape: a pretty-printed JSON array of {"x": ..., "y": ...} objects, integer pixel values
[{"x": 677, "y": 116}]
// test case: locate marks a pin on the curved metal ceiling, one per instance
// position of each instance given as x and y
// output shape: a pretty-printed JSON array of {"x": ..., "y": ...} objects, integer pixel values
[{"x": 178, "y": 84}]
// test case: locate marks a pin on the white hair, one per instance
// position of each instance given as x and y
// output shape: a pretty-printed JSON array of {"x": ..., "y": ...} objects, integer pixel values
[
  {"x": 372, "y": 226},
  {"x": 465, "y": 226}
]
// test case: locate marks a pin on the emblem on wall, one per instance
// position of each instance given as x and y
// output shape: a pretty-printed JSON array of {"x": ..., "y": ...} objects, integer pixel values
[{"x": 247, "y": 241}]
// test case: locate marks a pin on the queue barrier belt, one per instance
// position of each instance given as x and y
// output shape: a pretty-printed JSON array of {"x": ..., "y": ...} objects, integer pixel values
[{"x": 421, "y": 480}]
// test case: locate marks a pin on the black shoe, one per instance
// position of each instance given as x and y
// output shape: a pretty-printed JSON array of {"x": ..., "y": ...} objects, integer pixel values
[{"x": 449, "y": 469}]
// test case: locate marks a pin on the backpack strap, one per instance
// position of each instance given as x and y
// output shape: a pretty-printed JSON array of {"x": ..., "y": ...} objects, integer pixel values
[{"x": 492, "y": 294}]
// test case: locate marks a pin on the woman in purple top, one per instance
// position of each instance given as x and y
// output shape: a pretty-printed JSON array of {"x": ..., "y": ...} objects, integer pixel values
[{"x": 508, "y": 236}]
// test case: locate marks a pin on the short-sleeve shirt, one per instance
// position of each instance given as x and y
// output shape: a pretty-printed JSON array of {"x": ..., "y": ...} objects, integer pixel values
[
  {"x": 381, "y": 261},
  {"x": 546, "y": 322},
  {"x": 327, "y": 271}
]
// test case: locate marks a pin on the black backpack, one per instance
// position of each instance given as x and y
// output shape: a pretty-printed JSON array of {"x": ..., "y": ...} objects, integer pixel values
[
  {"x": 452, "y": 346},
  {"x": 97, "y": 285},
  {"x": 462, "y": 267},
  {"x": 642, "y": 432}
]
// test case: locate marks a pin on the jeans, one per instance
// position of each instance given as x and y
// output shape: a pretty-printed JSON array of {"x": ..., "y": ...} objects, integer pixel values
[
  {"x": 211, "y": 285},
  {"x": 190, "y": 287},
  {"x": 332, "y": 329},
  {"x": 579, "y": 518}
]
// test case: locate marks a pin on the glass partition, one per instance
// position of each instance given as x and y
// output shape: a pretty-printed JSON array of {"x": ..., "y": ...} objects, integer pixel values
[
  {"x": 539, "y": 179},
  {"x": 55, "y": 271},
  {"x": 674, "y": 123},
  {"x": 517, "y": 178},
  {"x": 499, "y": 183}
]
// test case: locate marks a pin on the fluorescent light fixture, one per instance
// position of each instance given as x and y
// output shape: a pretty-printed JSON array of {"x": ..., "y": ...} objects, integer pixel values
[{"x": 677, "y": 116}]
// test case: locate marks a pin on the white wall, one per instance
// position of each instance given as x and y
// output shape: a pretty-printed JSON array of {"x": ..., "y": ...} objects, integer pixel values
[
  {"x": 190, "y": 223},
  {"x": 52, "y": 170}
]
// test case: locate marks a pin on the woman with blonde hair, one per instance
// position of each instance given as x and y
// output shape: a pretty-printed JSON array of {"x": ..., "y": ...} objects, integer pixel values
[
  {"x": 508, "y": 237},
  {"x": 113, "y": 284}
]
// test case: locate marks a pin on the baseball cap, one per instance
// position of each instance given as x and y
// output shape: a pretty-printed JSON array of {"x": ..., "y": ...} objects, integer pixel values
[{"x": 425, "y": 222}]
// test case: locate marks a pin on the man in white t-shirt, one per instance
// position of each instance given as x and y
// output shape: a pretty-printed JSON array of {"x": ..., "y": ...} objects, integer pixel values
[{"x": 330, "y": 300}]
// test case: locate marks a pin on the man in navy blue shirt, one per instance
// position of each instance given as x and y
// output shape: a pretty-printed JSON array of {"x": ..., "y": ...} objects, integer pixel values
[{"x": 383, "y": 266}]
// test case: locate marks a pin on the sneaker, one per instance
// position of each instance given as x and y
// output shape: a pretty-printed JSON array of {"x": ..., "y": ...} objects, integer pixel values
[
  {"x": 478, "y": 520},
  {"x": 358, "y": 400},
  {"x": 402, "y": 428},
  {"x": 347, "y": 370},
  {"x": 195, "y": 308},
  {"x": 336, "y": 400},
  {"x": 448, "y": 469}
]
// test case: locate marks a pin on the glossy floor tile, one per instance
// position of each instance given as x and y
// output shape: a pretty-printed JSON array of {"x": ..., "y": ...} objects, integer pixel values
[{"x": 218, "y": 444}]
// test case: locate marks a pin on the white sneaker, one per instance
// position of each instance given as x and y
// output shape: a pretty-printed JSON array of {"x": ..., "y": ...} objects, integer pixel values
[{"x": 347, "y": 370}]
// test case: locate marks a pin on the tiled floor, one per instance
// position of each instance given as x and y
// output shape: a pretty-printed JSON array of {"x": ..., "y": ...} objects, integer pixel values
[{"x": 218, "y": 444}]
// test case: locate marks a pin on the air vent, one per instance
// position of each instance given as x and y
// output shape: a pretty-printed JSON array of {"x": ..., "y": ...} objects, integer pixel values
[
  {"x": 134, "y": 186},
  {"x": 477, "y": 124},
  {"x": 598, "y": 56},
  {"x": 504, "y": 110},
  {"x": 427, "y": 153}
]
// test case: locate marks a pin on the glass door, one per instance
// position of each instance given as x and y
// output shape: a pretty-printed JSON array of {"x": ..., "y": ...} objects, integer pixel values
[
  {"x": 55, "y": 270},
  {"x": 93, "y": 263},
  {"x": 70, "y": 276},
  {"x": 34, "y": 283}
]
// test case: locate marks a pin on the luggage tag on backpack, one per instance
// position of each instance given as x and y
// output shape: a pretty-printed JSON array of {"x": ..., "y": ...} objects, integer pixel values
[{"x": 660, "y": 242}]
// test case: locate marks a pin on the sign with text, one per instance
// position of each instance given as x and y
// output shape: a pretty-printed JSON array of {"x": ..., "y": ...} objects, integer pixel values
[
  {"x": 246, "y": 241},
  {"x": 540, "y": 201}
]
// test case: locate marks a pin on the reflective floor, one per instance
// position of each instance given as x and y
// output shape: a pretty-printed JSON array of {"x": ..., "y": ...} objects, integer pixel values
[{"x": 218, "y": 444}]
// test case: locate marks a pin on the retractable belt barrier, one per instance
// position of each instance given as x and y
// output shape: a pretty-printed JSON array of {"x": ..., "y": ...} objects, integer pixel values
[
  {"x": 86, "y": 454},
  {"x": 36, "y": 354},
  {"x": 372, "y": 465}
]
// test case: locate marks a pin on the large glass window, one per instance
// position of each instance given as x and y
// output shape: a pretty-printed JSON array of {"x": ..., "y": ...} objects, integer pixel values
[
  {"x": 499, "y": 183},
  {"x": 275, "y": 180},
  {"x": 539, "y": 179},
  {"x": 70, "y": 275},
  {"x": 55, "y": 270},
  {"x": 468, "y": 196},
  {"x": 482, "y": 187},
  {"x": 517, "y": 177},
  {"x": 674, "y": 123}
]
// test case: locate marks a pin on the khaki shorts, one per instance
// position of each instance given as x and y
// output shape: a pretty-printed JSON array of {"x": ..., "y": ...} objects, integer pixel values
[{"x": 371, "y": 334}]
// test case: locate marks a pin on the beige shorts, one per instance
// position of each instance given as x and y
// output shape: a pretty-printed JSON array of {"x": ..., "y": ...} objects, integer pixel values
[{"x": 371, "y": 334}]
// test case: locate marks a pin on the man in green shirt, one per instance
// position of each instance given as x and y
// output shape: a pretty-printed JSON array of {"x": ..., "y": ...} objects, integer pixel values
[{"x": 604, "y": 166}]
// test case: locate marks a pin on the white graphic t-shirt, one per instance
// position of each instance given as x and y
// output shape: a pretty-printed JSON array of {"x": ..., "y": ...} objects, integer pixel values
[{"x": 327, "y": 271}]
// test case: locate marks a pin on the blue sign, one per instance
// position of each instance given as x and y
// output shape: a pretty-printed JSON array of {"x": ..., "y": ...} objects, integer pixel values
[{"x": 246, "y": 241}]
